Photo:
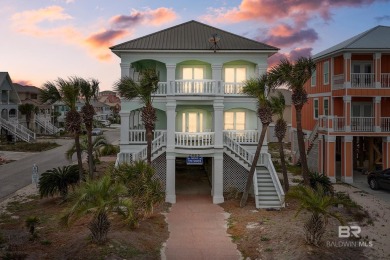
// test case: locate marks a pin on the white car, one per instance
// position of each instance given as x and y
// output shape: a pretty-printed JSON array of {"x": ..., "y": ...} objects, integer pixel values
[
  {"x": 105, "y": 122},
  {"x": 97, "y": 131}
]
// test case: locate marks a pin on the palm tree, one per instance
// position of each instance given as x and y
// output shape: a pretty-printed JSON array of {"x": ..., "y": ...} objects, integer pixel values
[
  {"x": 99, "y": 198},
  {"x": 98, "y": 144},
  {"x": 27, "y": 109},
  {"x": 143, "y": 90},
  {"x": 319, "y": 204},
  {"x": 67, "y": 91},
  {"x": 57, "y": 180},
  {"x": 88, "y": 90},
  {"x": 259, "y": 89},
  {"x": 278, "y": 104},
  {"x": 294, "y": 76}
]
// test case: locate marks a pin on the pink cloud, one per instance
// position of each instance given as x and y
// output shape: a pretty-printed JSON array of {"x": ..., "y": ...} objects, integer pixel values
[
  {"x": 292, "y": 55},
  {"x": 31, "y": 23},
  {"x": 285, "y": 35},
  {"x": 23, "y": 82},
  {"x": 154, "y": 17},
  {"x": 270, "y": 11}
]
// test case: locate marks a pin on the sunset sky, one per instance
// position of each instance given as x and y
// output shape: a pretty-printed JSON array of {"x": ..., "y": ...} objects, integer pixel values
[{"x": 45, "y": 39}]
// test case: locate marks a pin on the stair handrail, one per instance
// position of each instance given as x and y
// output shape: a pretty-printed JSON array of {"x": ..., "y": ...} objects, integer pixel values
[
  {"x": 157, "y": 143},
  {"x": 19, "y": 130},
  {"x": 313, "y": 134},
  {"x": 47, "y": 125},
  {"x": 237, "y": 149},
  {"x": 272, "y": 172}
]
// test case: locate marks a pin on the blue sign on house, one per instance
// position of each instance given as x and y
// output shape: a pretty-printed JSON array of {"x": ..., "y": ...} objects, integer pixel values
[{"x": 194, "y": 160}]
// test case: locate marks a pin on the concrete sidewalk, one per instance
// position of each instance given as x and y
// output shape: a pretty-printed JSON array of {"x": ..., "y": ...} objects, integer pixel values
[{"x": 198, "y": 230}]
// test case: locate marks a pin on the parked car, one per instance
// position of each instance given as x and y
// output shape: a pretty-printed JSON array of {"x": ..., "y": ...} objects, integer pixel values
[
  {"x": 105, "y": 123},
  {"x": 97, "y": 131},
  {"x": 379, "y": 179}
]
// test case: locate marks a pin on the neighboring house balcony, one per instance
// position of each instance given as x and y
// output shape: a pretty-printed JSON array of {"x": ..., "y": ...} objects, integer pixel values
[
  {"x": 197, "y": 140},
  {"x": 354, "y": 124},
  {"x": 362, "y": 80},
  {"x": 361, "y": 71}
]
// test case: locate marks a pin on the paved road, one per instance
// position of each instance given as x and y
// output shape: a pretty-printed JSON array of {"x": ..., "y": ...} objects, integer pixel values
[{"x": 16, "y": 175}]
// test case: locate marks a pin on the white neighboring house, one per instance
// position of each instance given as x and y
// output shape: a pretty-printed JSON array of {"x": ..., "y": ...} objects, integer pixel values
[
  {"x": 9, "y": 102},
  {"x": 200, "y": 108}
]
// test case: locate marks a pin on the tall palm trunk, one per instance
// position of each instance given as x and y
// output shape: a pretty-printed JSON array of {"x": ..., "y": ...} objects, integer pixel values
[
  {"x": 149, "y": 137},
  {"x": 249, "y": 181},
  {"x": 301, "y": 146},
  {"x": 78, "y": 153},
  {"x": 286, "y": 185},
  {"x": 91, "y": 164}
]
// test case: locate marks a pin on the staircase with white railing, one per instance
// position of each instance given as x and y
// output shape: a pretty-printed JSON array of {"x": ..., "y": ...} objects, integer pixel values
[
  {"x": 158, "y": 147},
  {"x": 313, "y": 136},
  {"x": 268, "y": 190},
  {"x": 46, "y": 125},
  {"x": 18, "y": 130}
]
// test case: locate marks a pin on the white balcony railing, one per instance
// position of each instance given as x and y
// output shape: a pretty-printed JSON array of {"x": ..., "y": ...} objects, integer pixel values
[
  {"x": 191, "y": 87},
  {"x": 385, "y": 80},
  {"x": 233, "y": 88},
  {"x": 385, "y": 124},
  {"x": 339, "y": 124},
  {"x": 194, "y": 140},
  {"x": 362, "y": 80},
  {"x": 243, "y": 136},
  {"x": 362, "y": 124},
  {"x": 139, "y": 136},
  {"x": 162, "y": 89}
]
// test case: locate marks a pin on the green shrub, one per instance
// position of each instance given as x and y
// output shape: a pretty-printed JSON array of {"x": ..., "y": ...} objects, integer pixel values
[
  {"x": 321, "y": 179},
  {"x": 109, "y": 149},
  {"x": 57, "y": 180}
]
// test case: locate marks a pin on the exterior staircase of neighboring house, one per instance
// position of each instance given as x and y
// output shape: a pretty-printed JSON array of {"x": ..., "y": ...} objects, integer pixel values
[
  {"x": 45, "y": 124},
  {"x": 266, "y": 185},
  {"x": 18, "y": 130},
  {"x": 313, "y": 136},
  {"x": 267, "y": 188}
]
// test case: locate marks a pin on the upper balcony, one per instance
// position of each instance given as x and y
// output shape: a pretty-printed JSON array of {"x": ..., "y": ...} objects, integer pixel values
[
  {"x": 199, "y": 87},
  {"x": 362, "y": 80}
]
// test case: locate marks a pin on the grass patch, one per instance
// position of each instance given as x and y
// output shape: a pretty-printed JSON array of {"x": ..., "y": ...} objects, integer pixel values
[{"x": 28, "y": 147}]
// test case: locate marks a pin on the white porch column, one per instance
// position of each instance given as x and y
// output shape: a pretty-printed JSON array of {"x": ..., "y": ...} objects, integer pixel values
[
  {"x": 261, "y": 68},
  {"x": 125, "y": 121},
  {"x": 347, "y": 70},
  {"x": 347, "y": 112},
  {"x": 377, "y": 114},
  {"x": 217, "y": 76},
  {"x": 218, "y": 123},
  {"x": 377, "y": 69},
  {"x": 171, "y": 76},
  {"x": 170, "y": 192},
  {"x": 171, "y": 124},
  {"x": 217, "y": 180},
  {"x": 125, "y": 70}
]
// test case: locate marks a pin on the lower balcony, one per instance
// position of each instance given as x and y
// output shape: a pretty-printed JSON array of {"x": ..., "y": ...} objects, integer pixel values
[
  {"x": 197, "y": 140},
  {"x": 358, "y": 124}
]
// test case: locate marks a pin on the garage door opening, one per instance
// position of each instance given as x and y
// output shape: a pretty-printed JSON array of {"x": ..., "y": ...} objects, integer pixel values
[{"x": 193, "y": 179}]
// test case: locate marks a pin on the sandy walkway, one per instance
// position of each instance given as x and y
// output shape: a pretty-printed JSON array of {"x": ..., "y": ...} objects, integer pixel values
[
  {"x": 198, "y": 230},
  {"x": 379, "y": 233}
]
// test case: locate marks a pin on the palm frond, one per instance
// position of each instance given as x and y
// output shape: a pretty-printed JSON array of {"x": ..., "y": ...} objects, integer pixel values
[{"x": 49, "y": 93}]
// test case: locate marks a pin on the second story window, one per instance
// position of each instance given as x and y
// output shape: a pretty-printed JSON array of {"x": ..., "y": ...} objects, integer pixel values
[
  {"x": 234, "y": 77},
  {"x": 193, "y": 77},
  {"x": 315, "y": 108},
  {"x": 234, "y": 121},
  {"x": 326, "y": 73},
  {"x": 192, "y": 73},
  {"x": 326, "y": 106},
  {"x": 314, "y": 78}
]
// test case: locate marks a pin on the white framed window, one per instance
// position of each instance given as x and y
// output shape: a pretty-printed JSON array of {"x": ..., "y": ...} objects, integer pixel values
[
  {"x": 326, "y": 72},
  {"x": 326, "y": 106},
  {"x": 193, "y": 77},
  {"x": 315, "y": 108},
  {"x": 314, "y": 78},
  {"x": 234, "y": 121},
  {"x": 235, "y": 75},
  {"x": 192, "y": 122}
]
